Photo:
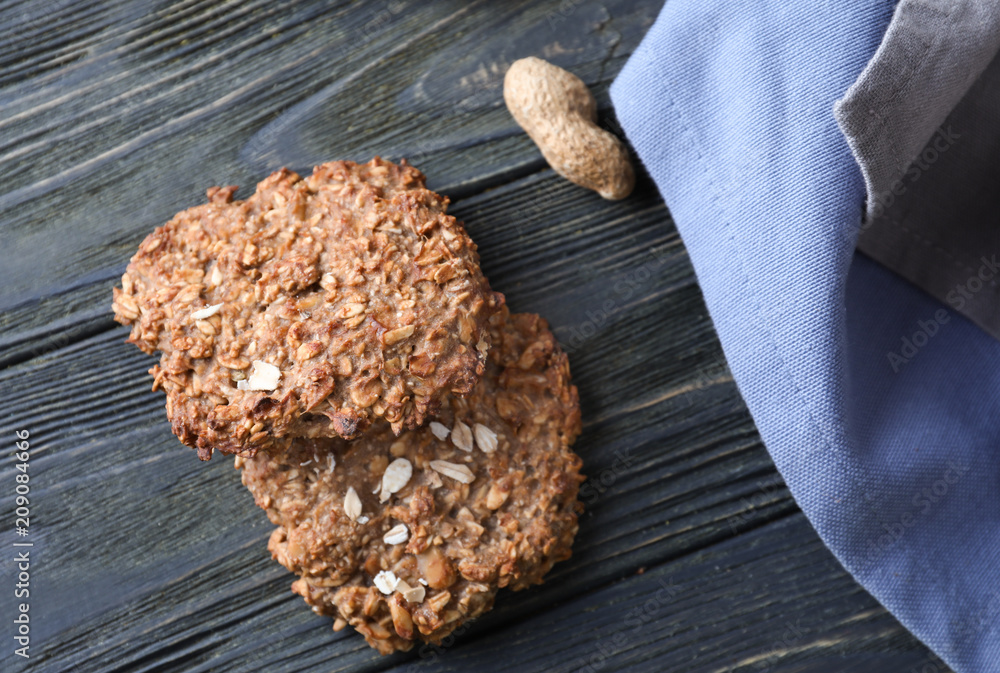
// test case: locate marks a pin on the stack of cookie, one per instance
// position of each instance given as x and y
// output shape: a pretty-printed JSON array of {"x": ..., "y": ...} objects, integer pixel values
[{"x": 409, "y": 436}]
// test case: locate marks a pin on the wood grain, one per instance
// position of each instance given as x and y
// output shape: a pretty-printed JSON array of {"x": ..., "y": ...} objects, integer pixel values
[{"x": 115, "y": 115}]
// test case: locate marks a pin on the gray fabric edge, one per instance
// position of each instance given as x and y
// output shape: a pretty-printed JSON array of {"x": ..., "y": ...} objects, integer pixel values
[
  {"x": 920, "y": 123},
  {"x": 931, "y": 55},
  {"x": 941, "y": 230}
]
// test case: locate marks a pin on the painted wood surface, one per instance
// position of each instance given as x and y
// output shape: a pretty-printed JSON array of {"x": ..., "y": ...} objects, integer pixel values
[{"x": 691, "y": 556}]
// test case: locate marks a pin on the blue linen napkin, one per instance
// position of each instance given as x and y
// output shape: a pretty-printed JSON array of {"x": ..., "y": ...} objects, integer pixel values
[{"x": 896, "y": 462}]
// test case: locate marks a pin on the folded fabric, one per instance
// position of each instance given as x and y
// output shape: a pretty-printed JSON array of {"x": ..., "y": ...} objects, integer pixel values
[
  {"x": 922, "y": 122},
  {"x": 730, "y": 106}
]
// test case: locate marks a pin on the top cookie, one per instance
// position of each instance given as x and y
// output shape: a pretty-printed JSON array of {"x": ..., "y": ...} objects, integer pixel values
[{"x": 309, "y": 309}]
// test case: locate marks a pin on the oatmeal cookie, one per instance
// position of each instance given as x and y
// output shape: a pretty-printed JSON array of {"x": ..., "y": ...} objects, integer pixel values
[
  {"x": 407, "y": 537},
  {"x": 309, "y": 309}
]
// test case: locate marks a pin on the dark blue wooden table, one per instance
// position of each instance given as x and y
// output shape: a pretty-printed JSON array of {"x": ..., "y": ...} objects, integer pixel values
[{"x": 691, "y": 557}]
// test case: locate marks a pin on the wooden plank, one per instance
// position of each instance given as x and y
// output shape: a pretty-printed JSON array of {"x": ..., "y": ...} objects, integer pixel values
[{"x": 44, "y": 325}]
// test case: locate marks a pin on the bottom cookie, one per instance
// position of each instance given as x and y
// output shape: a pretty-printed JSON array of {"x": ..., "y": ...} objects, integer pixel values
[{"x": 408, "y": 537}]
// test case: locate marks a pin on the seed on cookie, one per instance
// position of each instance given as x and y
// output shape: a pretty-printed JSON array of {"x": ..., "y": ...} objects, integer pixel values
[
  {"x": 461, "y": 436},
  {"x": 395, "y": 336},
  {"x": 398, "y": 534},
  {"x": 456, "y": 471},
  {"x": 352, "y": 503},
  {"x": 264, "y": 376},
  {"x": 485, "y": 438},
  {"x": 395, "y": 477},
  {"x": 206, "y": 312},
  {"x": 386, "y": 581},
  {"x": 439, "y": 430},
  {"x": 414, "y": 594}
]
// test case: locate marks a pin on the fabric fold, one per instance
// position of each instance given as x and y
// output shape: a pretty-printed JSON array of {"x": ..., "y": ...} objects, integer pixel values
[
  {"x": 730, "y": 107},
  {"x": 922, "y": 123},
  {"x": 932, "y": 53}
]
